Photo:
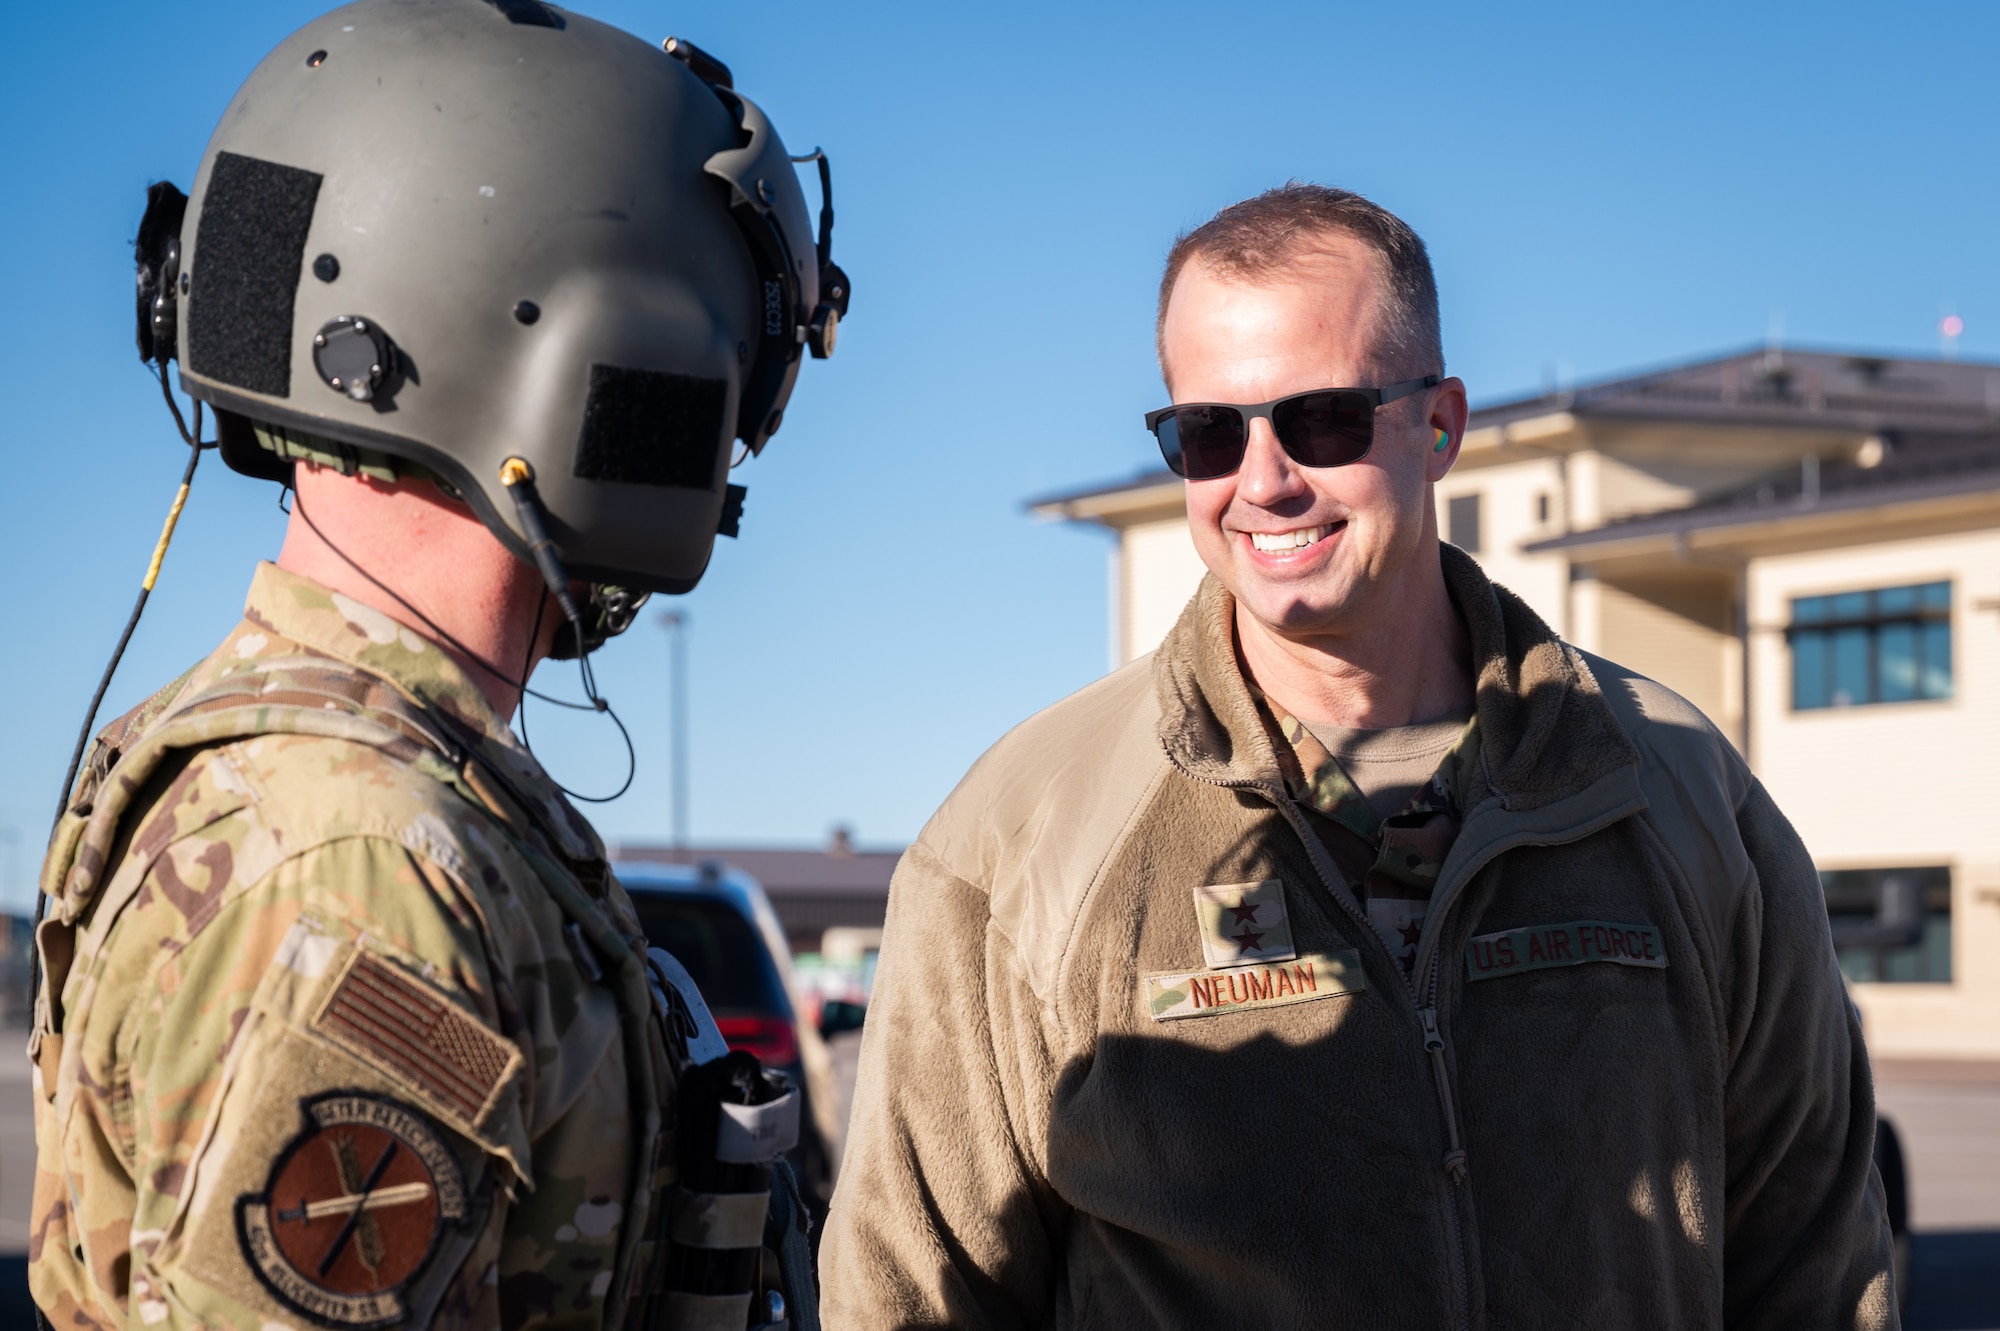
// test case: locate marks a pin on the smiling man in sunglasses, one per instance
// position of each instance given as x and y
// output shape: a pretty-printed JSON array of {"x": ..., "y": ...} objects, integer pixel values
[{"x": 1366, "y": 956}]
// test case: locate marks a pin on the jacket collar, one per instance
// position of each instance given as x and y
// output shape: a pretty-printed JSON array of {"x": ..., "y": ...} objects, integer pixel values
[{"x": 1546, "y": 733}]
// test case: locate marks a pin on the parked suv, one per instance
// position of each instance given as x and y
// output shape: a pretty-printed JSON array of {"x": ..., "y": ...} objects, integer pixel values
[{"x": 718, "y": 923}]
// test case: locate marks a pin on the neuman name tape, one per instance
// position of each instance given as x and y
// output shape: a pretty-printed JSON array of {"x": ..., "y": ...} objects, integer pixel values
[{"x": 1182, "y": 994}]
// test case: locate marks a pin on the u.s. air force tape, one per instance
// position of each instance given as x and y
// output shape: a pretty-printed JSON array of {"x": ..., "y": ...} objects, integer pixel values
[
  {"x": 1209, "y": 993},
  {"x": 1511, "y": 951}
]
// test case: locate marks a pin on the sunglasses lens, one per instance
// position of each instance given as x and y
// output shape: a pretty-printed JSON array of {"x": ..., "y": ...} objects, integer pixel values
[
  {"x": 1201, "y": 443},
  {"x": 1329, "y": 429}
]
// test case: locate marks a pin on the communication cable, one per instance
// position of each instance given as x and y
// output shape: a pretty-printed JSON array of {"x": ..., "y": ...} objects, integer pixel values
[
  {"x": 145, "y": 592},
  {"x": 195, "y": 447},
  {"x": 596, "y": 703}
]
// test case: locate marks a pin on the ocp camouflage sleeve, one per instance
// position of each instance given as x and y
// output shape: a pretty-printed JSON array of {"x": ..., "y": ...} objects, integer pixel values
[{"x": 304, "y": 1094}]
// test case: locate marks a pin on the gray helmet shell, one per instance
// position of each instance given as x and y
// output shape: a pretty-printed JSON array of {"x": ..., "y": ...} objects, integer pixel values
[{"x": 462, "y": 231}]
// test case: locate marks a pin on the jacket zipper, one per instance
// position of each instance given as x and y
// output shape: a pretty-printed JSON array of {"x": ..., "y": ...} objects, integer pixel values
[
  {"x": 1456, "y": 1173},
  {"x": 1455, "y": 1167},
  {"x": 1454, "y": 1162}
]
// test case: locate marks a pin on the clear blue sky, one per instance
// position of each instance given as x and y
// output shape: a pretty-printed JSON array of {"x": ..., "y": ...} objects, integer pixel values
[{"x": 1602, "y": 188}]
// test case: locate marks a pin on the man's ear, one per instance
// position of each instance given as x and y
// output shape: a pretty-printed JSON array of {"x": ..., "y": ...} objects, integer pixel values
[{"x": 1448, "y": 415}]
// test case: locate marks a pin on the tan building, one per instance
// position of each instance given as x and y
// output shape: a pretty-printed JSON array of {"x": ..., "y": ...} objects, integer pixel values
[{"x": 1804, "y": 544}]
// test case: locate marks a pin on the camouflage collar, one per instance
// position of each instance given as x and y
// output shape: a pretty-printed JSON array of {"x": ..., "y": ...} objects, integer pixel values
[
  {"x": 1315, "y": 778},
  {"x": 284, "y": 612},
  {"x": 325, "y": 621}
]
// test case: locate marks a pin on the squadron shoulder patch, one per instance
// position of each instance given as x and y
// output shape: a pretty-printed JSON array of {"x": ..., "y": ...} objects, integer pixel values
[
  {"x": 1511, "y": 951},
  {"x": 1242, "y": 923},
  {"x": 394, "y": 1021},
  {"x": 1296, "y": 980},
  {"x": 352, "y": 1211}
]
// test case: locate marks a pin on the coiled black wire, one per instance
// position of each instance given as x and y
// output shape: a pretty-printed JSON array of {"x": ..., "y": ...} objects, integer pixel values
[{"x": 596, "y": 702}]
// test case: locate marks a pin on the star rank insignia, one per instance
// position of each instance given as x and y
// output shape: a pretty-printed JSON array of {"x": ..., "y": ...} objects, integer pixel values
[
  {"x": 353, "y": 1210},
  {"x": 1242, "y": 924}
]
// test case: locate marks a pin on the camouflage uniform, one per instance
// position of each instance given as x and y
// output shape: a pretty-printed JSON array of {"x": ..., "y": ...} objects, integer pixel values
[
  {"x": 344, "y": 1018},
  {"x": 1391, "y": 863}
]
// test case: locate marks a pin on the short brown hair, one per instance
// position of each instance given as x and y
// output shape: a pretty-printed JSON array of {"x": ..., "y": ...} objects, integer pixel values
[{"x": 1263, "y": 234}]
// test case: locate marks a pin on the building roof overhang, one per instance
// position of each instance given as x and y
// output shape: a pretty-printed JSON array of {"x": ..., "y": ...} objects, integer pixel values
[
  {"x": 1774, "y": 387},
  {"x": 1151, "y": 496},
  {"x": 1930, "y": 495}
]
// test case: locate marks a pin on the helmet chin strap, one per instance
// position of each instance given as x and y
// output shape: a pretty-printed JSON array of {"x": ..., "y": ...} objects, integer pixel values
[{"x": 596, "y": 703}]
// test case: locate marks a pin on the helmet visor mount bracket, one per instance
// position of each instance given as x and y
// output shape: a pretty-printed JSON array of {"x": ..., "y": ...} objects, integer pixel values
[
  {"x": 820, "y": 319},
  {"x": 804, "y": 293},
  {"x": 760, "y": 179},
  {"x": 824, "y": 329}
]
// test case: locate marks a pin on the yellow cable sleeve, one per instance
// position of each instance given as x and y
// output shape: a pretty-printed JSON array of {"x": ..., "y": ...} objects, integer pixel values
[{"x": 166, "y": 539}]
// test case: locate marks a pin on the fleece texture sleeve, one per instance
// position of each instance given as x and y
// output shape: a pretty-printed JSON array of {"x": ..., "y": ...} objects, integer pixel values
[
  {"x": 1806, "y": 1239},
  {"x": 943, "y": 1217}
]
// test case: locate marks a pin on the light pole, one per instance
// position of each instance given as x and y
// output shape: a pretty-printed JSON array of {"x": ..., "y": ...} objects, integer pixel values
[{"x": 676, "y": 623}]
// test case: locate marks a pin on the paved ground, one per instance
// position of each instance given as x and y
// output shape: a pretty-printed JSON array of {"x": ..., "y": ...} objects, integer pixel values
[{"x": 1948, "y": 1116}]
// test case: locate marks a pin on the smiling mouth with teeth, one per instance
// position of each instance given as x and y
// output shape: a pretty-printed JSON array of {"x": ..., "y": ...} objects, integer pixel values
[{"x": 1278, "y": 542}]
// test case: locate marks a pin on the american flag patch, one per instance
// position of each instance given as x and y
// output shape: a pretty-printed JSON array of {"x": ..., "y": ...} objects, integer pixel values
[{"x": 402, "y": 1026}]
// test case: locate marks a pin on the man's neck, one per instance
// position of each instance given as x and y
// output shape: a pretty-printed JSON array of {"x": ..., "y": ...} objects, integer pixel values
[
  {"x": 426, "y": 562},
  {"x": 1397, "y": 669}
]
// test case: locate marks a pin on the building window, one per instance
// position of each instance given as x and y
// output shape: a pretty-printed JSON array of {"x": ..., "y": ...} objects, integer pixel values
[
  {"x": 1542, "y": 507},
  {"x": 1891, "y": 925},
  {"x": 1462, "y": 521},
  {"x": 1888, "y": 645}
]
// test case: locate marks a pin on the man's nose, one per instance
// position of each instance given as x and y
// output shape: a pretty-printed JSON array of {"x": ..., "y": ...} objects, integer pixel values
[{"x": 1268, "y": 474}]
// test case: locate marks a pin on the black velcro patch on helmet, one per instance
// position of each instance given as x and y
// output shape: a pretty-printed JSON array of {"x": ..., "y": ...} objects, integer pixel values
[
  {"x": 249, "y": 251},
  {"x": 533, "y": 13},
  {"x": 648, "y": 427}
]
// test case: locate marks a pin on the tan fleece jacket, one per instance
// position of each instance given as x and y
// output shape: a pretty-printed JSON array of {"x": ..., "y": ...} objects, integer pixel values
[{"x": 1559, "y": 1123}]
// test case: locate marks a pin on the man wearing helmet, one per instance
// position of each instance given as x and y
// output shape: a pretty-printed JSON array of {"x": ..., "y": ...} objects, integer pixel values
[{"x": 344, "y": 1021}]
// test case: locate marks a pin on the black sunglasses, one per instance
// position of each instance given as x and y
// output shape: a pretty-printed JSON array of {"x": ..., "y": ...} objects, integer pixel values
[{"x": 1327, "y": 427}]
